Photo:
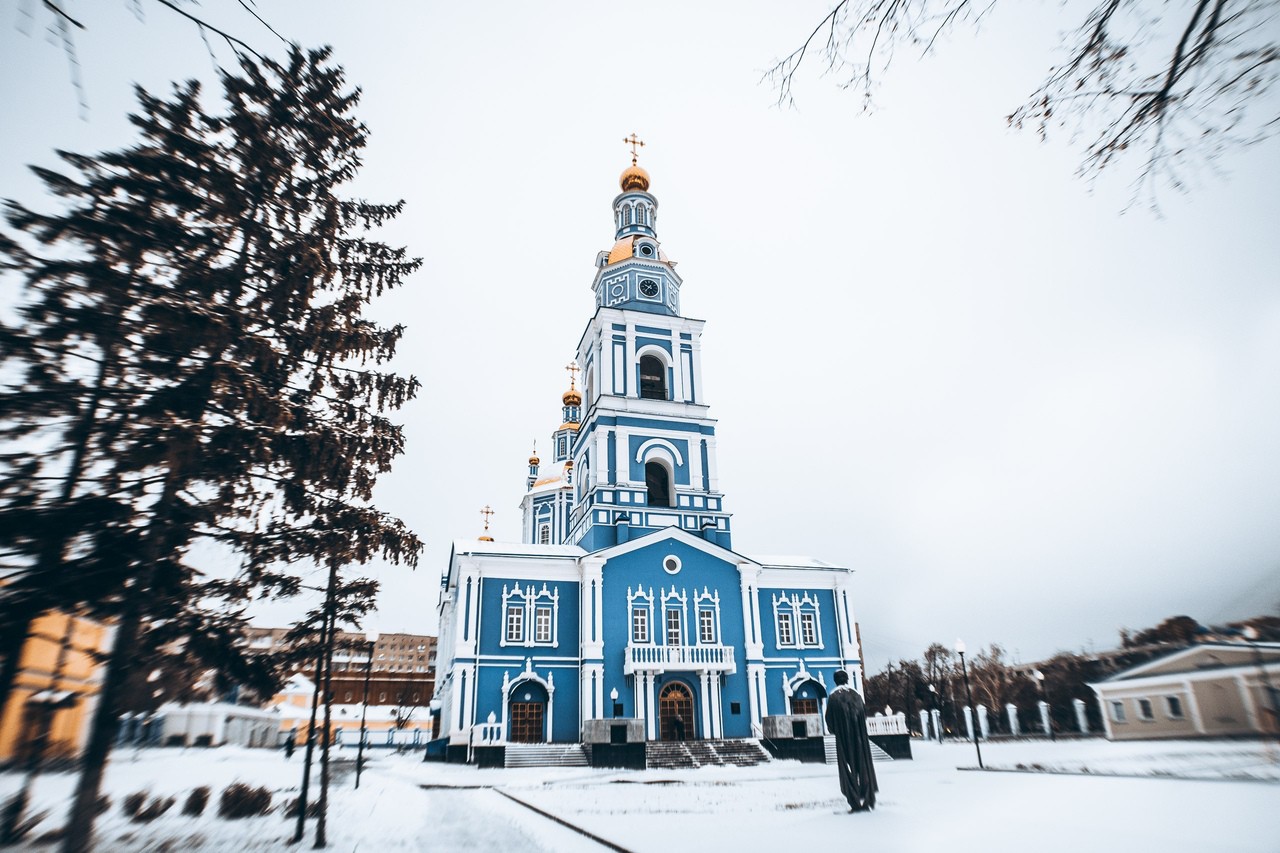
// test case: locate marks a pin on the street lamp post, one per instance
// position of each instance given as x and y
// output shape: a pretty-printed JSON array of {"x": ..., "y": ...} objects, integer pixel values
[
  {"x": 933, "y": 692},
  {"x": 613, "y": 698},
  {"x": 973, "y": 729},
  {"x": 1044, "y": 696},
  {"x": 371, "y": 638}
]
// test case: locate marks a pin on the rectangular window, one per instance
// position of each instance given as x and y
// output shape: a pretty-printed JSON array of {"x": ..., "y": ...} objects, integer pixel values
[
  {"x": 674, "y": 634},
  {"x": 639, "y": 624},
  {"x": 706, "y": 627},
  {"x": 809, "y": 629},
  {"x": 1144, "y": 709},
  {"x": 542, "y": 625},
  {"x": 515, "y": 624},
  {"x": 1117, "y": 712},
  {"x": 784, "y": 630},
  {"x": 1175, "y": 707}
]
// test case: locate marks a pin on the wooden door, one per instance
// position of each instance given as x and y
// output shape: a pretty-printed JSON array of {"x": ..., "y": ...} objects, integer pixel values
[
  {"x": 526, "y": 722},
  {"x": 675, "y": 713}
]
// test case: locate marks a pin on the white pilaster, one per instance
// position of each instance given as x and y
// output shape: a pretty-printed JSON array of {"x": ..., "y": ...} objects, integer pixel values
[{"x": 705, "y": 694}]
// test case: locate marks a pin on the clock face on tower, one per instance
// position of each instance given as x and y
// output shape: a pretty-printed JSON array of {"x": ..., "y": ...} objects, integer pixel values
[{"x": 649, "y": 288}]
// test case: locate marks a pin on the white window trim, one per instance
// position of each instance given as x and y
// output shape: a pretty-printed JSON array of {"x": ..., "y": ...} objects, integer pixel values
[
  {"x": 1150, "y": 714},
  {"x": 795, "y": 605},
  {"x": 1117, "y": 711},
  {"x": 708, "y": 601},
  {"x": 528, "y": 599},
  {"x": 678, "y": 601},
  {"x": 639, "y": 599},
  {"x": 1168, "y": 707}
]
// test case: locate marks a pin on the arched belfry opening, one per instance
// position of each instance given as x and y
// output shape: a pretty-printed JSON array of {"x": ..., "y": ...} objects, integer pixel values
[
  {"x": 653, "y": 378},
  {"x": 657, "y": 479}
]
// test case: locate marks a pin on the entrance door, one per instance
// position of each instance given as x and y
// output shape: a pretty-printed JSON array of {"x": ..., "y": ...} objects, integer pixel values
[
  {"x": 675, "y": 713},
  {"x": 526, "y": 722}
]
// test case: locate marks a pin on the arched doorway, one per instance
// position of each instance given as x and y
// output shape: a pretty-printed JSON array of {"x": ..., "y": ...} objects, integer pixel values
[
  {"x": 527, "y": 713},
  {"x": 806, "y": 698},
  {"x": 675, "y": 713}
]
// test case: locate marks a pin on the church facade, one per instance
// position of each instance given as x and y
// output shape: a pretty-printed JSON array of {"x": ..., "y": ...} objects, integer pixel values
[{"x": 625, "y": 599}]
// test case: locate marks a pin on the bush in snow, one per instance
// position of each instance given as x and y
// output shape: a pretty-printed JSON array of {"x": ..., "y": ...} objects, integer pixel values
[
  {"x": 134, "y": 802},
  {"x": 196, "y": 801},
  {"x": 291, "y": 810},
  {"x": 241, "y": 800},
  {"x": 153, "y": 810}
]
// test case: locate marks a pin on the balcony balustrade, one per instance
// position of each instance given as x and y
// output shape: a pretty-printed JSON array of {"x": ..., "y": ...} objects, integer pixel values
[{"x": 712, "y": 658}]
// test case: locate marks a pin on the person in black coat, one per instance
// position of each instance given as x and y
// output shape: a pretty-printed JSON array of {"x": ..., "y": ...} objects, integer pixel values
[{"x": 847, "y": 720}]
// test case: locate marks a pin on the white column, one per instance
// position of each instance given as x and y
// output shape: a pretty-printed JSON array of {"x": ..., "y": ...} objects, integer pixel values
[
  {"x": 753, "y": 693},
  {"x": 705, "y": 692},
  {"x": 968, "y": 721},
  {"x": 984, "y": 725},
  {"x": 1193, "y": 706},
  {"x": 1250, "y": 708},
  {"x": 551, "y": 706},
  {"x": 653, "y": 707},
  {"x": 764, "y": 692},
  {"x": 713, "y": 470},
  {"x": 924, "y": 725},
  {"x": 1012, "y": 711},
  {"x": 717, "y": 710},
  {"x": 936, "y": 715},
  {"x": 1082, "y": 718},
  {"x": 1044, "y": 716}
]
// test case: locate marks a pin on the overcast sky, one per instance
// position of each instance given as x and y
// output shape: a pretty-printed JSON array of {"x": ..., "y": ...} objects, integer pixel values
[{"x": 1022, "y": 414}]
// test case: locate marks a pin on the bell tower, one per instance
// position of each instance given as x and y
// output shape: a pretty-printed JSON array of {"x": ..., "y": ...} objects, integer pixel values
[{"x": 645, "y": 454}]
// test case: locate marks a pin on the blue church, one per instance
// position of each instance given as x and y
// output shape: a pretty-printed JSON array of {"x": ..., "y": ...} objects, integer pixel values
[{"x": 625, "y": 601}]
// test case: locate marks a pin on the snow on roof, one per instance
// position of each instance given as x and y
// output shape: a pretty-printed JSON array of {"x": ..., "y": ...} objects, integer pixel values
[
  {"x": 791, "y": 561},
  {"x": 515, "y": 549}
]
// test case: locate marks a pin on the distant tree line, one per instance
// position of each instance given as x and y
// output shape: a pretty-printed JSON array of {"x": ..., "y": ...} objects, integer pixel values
[{"x": 935, "y": 680}]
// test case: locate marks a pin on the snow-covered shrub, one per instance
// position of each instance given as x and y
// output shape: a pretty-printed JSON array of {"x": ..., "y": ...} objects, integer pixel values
[
  {"x": 196, "y": 801},
  {"x": 134, "y": 802},
  {"x": 153, "y": 810},
  {"x": 291, "y": 810},
  {"x": 241, "y": 800}
]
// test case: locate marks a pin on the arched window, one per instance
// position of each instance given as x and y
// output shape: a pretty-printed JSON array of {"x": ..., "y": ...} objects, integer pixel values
[
  {"x": 658, "y": 482},
  {"x": 653, "y": 378},
  {"x": 544, "y": 535}
]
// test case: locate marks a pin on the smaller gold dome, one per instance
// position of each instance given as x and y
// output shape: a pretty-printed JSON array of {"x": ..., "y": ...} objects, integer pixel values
[
  {"x": 572, "y": 397},
  {"x": 634, "y": 178},
  {"x": 534, "y": 460}
]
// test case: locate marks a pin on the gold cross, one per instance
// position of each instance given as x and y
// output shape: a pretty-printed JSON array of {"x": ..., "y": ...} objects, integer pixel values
[
  {"x": 573, "y": 369},
  {"x": 486, "y": 512},
  {"x": 633, "y": 141}
]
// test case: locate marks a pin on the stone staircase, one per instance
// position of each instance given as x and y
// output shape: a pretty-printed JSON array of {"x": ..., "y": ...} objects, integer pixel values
[
  {"x": 545, "y": 755},
  {"x": 877, "y": 754},
  {"x": 703, "y": 753}
]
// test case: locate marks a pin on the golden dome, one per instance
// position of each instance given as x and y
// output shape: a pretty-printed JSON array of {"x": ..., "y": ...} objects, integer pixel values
[
  {"x": 534, "y": 460},
  {"x": 572, "y": 397},
  {"x": 634, "y": 178}
]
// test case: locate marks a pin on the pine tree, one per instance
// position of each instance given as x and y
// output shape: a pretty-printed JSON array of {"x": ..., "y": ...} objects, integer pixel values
[{"x": 235, "y": 392}]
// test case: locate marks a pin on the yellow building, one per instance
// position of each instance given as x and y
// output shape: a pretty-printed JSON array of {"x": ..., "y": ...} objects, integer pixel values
[
  {"x": 56, "y": 686},
  {"x": 1206, "y": 690}
]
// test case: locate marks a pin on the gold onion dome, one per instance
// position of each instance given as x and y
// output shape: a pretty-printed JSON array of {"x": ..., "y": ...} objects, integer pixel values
[
  {"x": 572, "y": 397},
  {"x": 534, "y": 460},
  {"x": 634, "y": 178}
]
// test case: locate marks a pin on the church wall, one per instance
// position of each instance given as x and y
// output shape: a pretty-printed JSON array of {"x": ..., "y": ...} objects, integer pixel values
[
  {"x": 561, "y": 675},
  {"x": 561, "y": 596}
]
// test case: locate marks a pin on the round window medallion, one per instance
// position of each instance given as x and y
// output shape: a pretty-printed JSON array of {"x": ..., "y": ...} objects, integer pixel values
[
  {"x": 528, "y": 696},
  {"x": 671, "y": 564},
  {"x": 646, "y": 250}
]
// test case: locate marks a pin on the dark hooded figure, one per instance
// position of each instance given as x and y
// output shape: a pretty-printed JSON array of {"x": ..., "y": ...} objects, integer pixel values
[{"x": 847, "y": 720}]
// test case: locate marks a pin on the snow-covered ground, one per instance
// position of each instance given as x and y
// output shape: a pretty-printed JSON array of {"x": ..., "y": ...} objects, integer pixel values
[{"x": 1162, "y": 796}]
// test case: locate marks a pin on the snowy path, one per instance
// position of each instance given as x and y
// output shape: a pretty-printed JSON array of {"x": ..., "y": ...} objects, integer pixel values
[{"x": 925, "y": 804}]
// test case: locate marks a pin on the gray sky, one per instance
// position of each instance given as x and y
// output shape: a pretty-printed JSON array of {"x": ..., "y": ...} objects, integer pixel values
[{"x": 1020, "y": 413}]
